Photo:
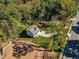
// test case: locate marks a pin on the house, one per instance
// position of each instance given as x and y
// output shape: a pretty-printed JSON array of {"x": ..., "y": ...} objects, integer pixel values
[{"x": 32, "y": 31}]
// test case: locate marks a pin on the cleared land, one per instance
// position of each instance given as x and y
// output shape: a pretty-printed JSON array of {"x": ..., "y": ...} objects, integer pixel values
[{"x": 32, "y": 55}]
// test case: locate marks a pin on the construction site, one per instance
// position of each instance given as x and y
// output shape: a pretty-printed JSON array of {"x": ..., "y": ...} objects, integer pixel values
[{"x": 26, "y": 50}]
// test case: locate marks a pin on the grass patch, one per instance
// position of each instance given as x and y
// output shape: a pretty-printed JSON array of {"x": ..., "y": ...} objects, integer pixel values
[{"x": 41, "y": 41}]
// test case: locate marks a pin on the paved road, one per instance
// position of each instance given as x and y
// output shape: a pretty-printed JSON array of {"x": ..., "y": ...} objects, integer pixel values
[
  {"x": 75, "y": 29},
  {"x": 71, "y": 47}
]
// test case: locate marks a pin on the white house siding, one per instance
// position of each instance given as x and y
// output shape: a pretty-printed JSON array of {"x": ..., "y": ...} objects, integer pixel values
[{"x": 29, "y": 34}]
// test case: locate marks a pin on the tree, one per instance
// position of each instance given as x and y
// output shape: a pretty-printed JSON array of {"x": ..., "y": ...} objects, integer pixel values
[
  {"x": 25, "y": 11},
  {"x": 69, "y": 8},
  {"x": 2, "y": 15},
  {"x": 10, "y": 10}
]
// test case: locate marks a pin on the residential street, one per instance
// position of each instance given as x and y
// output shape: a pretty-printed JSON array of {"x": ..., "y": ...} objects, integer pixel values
[
  {"x": 75, "y": 29},
  {"x": 71, "y": 51}
]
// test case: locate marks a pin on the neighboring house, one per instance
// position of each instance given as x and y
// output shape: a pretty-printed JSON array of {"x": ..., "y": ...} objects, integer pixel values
[{"x": 32, "y": 31}]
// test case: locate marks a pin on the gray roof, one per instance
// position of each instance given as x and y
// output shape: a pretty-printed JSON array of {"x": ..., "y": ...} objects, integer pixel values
[{"x": 33, "y": 29}]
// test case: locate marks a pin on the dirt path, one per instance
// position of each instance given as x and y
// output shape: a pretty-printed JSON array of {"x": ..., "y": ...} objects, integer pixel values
[
  {"x": 32, "y": 55},
  {"x": 0, "y": 57}
]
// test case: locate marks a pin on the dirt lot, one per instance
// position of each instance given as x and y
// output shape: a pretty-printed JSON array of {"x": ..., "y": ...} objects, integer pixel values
[{"x": 7, "y": 53}]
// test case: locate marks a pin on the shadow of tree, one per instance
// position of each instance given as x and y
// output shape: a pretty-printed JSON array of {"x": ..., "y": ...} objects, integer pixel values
[
  {"x": 76, "y": 29},
  {"x": 23, "y": 34},
  {"x": 78, "y": 23}
]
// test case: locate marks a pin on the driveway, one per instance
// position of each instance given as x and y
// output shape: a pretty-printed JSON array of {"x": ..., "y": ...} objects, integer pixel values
[{"x": 71, "y": 50}]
